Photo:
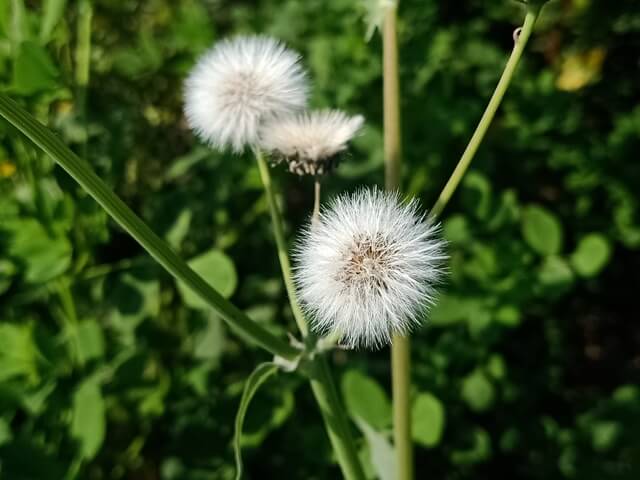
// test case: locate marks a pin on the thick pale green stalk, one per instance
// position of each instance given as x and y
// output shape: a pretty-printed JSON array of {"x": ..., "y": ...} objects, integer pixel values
[
  {"x": 281, "y": 242},
  {"x": 481, "y": 130},
  {"x": 401, "y": 346},
  {"x": 154, "y": 245},
  {"x": 322, "y": 385},
  {"x": 316, "y": 200}
]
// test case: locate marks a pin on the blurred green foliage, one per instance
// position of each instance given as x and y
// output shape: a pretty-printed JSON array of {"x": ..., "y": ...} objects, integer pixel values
[{"x": 528, "y": 367}]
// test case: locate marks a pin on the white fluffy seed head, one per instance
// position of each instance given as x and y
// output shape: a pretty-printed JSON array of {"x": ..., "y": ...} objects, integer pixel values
[
  {"x": 368, "y": 268},
  {"x": 240, "y": 83},
  {"x": 310, "y": 142}
]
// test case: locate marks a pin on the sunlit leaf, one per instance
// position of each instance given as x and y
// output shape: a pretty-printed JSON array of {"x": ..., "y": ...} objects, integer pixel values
[
  {"x": 591, "y": 255},
  {"x": 428, "y": 420},
  {"x": 542, "y": 230},
  {"x": 217, "y": 269},
  {"x": 366, "y": 400},
  {"x": 88, "y": 419}
]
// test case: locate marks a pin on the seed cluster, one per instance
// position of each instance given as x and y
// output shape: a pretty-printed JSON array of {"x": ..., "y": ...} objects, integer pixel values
[
  {"x": 303, "y": 165},
  {"x": 367, "y": 263}
]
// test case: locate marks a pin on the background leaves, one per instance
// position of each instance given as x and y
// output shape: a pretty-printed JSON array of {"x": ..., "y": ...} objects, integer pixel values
[{"x": 526, "y": 368}]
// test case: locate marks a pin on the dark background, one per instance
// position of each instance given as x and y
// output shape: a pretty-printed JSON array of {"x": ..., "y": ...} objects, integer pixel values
[{"x": 529, "y": 366}]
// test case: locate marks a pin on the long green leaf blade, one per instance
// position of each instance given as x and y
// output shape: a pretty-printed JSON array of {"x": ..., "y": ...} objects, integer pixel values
[{"x": 154, "y": 245}]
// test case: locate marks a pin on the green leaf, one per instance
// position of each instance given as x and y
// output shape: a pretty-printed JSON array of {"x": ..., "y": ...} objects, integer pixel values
[
  {"x": 88, "y": 418},
  {"x": 366, "y": 400},
  {"x": 478, "y": 391},
  {"x": 479, "y": 451},
  {"x": 591, "y": 255},
  {"x": 381, "y": 452},
  {"x": 135, "y": 295},
  {"x": 452, "y": 309},
  {"x": 508, "y": 315},
  {"x": 604, "y": 435},
  {"x": 456, "y": 230},
  {"x": 257, "y": 378},
  {"x": 428, "y": 420},
  {"x": 219, "y": 272},
  {"x": 33, "y": 70},
  {"x": 496, "y": 366},
  {"x": 90, "y": 341},
  {"x": 18, "y": 352},
  {"x": 477, "y": 195},
  {"x": 7, "y": 271},
  {"x": 140, "y": 231},
  {"x": 44, "y": 256},
  {"x": 542, "y": 230},
  {"x": 555, "y": 273},
  {"x": 5, "y": 432},
  {"x": 179, "y": 229},
  {"x": 210, "y": 343}
]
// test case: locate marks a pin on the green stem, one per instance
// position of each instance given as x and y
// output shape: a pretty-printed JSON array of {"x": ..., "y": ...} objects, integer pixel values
[
  {"x": 82, "y": 70},
  {"x": 317, "y": 187},
  {"x": 154, "y": 245},
  {"x": 335, "y": 420},
  {"x": 281, "y": 243},
  {"x": 401, "y": 346},
  {"x": 322, "y": 384},
  {"x": 530, "y": 19}
]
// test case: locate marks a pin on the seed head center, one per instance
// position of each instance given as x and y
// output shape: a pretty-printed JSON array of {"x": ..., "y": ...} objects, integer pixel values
[{"x": 366, "y": 262}]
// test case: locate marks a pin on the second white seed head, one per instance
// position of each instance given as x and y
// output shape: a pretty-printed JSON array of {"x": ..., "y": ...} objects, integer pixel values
[
  {"x": 240, "y": 83},
  {"x": 310, "y": 142},
  {"x": 368, "y": 268}
]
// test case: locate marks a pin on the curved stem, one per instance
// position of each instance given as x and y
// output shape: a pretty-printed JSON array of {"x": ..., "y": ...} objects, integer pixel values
[
  {"x": 316, "y": 200},
  {"x": 401, "y": 346},
  {"x": 322, "y": 384},
  {"x": 481, "y": 130},
  {"x": 140, "y": 231},
  {"x": 281, "y": 243}
]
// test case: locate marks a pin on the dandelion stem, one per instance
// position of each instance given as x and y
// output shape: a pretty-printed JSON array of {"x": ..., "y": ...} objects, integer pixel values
[
  {"x": 322, "y": 384},
  {"x": 401, "y": 347},
  {"x": 520, "y": 43},
  {"x": 281, "y": 243},
  {"x": 316, "y": 201}
]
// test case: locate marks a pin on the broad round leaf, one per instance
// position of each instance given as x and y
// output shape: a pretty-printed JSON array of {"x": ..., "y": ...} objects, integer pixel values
[
  {"x": 478, "y": 391},
  {"x": 542, "y": 230},
  {"x": 428, "y": 420},
  {"x": 591, "y": 255},
  {"x": 366, "y": 400},
  {"x": 218, "y": 270}
]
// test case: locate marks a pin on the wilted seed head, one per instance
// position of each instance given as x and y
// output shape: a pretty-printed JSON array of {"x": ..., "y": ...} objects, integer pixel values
[
  {"x": 368, "y": 268},
  {"x": 240, "y": 83},
  {"x": 311, "y": 142}
]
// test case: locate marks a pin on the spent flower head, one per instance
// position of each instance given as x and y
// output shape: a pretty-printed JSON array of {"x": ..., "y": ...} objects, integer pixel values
[
  {"x": 368, "y": 268},
  {"x": 238, "y": 84},
  {"x": 311, "y": 142}
]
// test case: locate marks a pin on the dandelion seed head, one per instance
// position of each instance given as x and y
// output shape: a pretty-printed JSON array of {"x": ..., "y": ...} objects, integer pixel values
[
  {"x": 368, "y": 268},
  {"x": 310, "y": 142},
  {"x": 238, "y": 84}
]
